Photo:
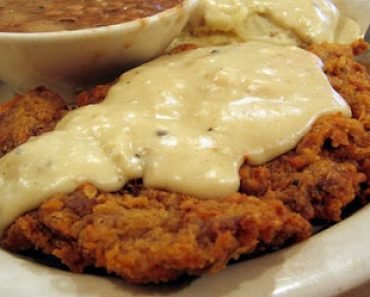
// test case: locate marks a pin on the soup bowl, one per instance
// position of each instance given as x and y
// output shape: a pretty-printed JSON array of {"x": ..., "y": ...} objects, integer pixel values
[{"x": 66, "y": 61}]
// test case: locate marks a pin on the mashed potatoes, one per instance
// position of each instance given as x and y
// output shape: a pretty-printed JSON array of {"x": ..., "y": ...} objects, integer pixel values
[{"x": 288, "y": 22}]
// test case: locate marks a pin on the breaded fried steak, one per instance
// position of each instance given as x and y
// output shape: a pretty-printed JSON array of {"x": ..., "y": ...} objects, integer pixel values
[{"x": 147, "y": 235}]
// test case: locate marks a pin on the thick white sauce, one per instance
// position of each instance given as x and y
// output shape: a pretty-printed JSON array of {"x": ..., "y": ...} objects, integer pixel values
[
  {"x": 279, "y": 21},
  {"x": 183, "y": 123}
]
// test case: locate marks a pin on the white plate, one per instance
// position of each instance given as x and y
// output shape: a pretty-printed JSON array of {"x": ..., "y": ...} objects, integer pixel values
[{"x": 334, "y": 263}]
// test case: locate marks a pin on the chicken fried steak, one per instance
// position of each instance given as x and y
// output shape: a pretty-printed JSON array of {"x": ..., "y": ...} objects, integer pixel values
[{"x": 147, "y": 235}]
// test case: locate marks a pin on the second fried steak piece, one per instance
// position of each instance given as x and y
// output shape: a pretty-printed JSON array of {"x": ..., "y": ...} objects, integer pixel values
[
  {"x": 35, "y": 112},
  {"x": 155, "y": 236}
]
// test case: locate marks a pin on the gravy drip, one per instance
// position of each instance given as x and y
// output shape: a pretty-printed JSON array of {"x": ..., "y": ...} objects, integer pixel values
[{"x": 183, "y": 123}]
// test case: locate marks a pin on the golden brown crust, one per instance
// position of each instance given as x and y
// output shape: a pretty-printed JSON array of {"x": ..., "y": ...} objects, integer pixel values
[
  {"x": 92, "y": 96},
  {"x": 349, "y": 78},
  {"x": 32, "y": 114},
  {"x": 145, "y": 235},
  {"x": 316, "y": 189},
  {"x": 156, "y": 236}
]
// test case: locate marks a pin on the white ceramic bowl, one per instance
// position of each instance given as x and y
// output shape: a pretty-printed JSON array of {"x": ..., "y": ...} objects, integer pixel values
[{"x": 65, "y": 60}]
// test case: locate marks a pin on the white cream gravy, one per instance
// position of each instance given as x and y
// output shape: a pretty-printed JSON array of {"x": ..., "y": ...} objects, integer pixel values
[
  {"x": 277, "y": 21},
  {"x": 183, "y": 123}
]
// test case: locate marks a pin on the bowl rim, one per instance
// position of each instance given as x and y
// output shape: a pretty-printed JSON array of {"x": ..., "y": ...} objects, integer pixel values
[{"x": 185, "y": 5}]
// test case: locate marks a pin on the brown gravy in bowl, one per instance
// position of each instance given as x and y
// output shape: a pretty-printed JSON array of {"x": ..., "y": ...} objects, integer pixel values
[{"x": 60, "y": 15}]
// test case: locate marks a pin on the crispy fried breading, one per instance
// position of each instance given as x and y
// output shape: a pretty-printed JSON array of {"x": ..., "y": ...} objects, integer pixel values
[
  {"x": 156, "y": 236},
  {"x": 92, "y": 96},
  {"x": 145, "y": 235},
  {"x": 349, "y": 78},
  {"x": 32, "y": 114}
]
